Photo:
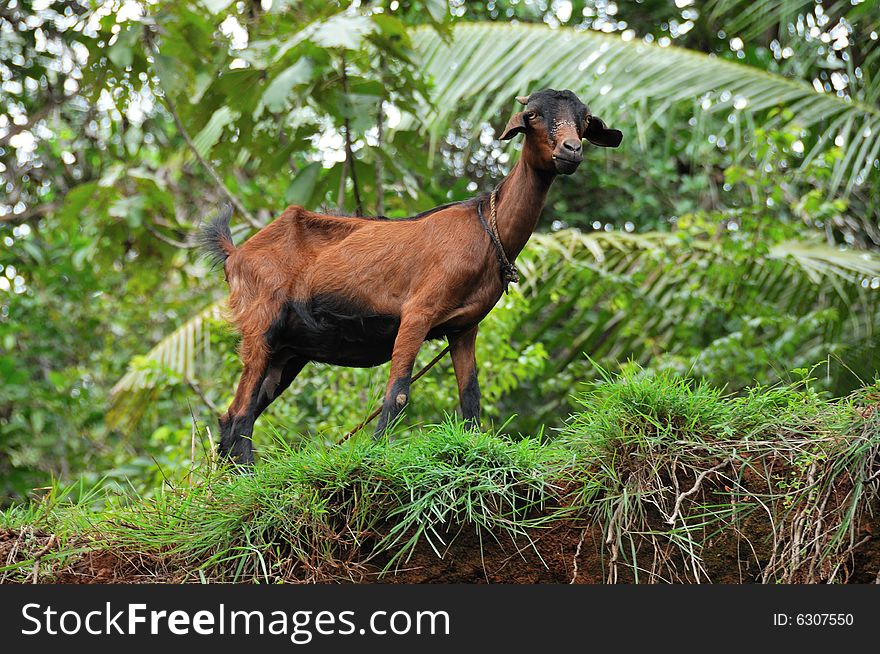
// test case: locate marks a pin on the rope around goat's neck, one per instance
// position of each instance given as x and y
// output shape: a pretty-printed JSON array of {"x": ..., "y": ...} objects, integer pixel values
[{"x": 509, "y": 273}]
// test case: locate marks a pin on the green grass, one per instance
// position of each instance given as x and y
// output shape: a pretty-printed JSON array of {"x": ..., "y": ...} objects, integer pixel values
[{"x": 663, "y": 469}]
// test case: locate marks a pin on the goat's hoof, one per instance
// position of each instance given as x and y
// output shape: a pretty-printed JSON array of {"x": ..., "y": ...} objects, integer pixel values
[{"x": 236, "y": 456}]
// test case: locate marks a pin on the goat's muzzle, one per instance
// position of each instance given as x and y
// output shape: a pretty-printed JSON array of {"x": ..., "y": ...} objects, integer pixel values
[{"x": 567, "y": 156}]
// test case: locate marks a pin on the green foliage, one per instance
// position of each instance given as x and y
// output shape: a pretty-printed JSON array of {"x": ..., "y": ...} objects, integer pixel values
[
  {"x": 705, "y": 301},
  {"x": 607, "y": 72}
]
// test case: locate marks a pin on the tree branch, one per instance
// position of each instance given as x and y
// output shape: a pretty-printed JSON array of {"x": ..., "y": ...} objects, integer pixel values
[
  {"x": 204, "y": 398},
  {"x": 37, "y": 212},
  {"x": 236, "y": 202},
  {"x": 248, "y": 216},
  {"x": 340, "y": 194},
  {"x": 349, "y": 155},
  {"x": 170, "y": 241},
  {"x": 380, "y": 191},
  {"x": 380, "y": 124}
]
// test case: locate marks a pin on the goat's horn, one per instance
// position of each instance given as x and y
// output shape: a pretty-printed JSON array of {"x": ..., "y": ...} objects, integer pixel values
[{"x": 523, "y": 99}]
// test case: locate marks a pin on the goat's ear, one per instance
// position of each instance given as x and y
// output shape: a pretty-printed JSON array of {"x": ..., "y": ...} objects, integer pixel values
[
  {"x": 516, "y": 125},
  {"x": 598, "y": 133}
]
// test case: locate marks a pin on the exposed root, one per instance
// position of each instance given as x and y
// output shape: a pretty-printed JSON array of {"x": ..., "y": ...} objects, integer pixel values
[{"x": 577, "y": 554}]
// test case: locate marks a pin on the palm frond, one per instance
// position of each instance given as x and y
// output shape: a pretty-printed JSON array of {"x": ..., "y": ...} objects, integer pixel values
[
  {"x": 622, "y": 296},
  {"x": 485, "y": 65},
  {"x": 821, "y": 261},
  {"x": 753, "y": 18},
  {"x": 177, "y": 355},
  {"x": 756, "y": 19}
]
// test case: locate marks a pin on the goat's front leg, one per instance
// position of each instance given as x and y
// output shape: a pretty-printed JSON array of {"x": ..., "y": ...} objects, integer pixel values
[
  {"x": 410, "y": 336},
  {"x": 462, "y": 348}
]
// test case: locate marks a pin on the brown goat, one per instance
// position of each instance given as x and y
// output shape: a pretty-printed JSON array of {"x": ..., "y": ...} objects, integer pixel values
[{"x": 360, "y": 291}]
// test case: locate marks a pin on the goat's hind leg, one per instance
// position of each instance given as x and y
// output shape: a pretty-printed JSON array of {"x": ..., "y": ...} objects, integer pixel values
[
  {"x": 237, "y": 425},
  {"x": 236, "y": 439},
  {"x": 464, "y": 362},
  {"x": 279, "y": 376}
]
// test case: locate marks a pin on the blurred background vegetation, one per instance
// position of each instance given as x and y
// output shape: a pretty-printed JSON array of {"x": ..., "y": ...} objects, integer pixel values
[{"x": 733, "y": 237}]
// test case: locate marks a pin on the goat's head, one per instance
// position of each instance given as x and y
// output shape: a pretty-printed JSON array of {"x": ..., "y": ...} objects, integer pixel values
[{"x": 554, "y": 123}]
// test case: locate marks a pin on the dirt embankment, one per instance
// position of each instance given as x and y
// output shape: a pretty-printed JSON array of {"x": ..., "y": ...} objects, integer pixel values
[{"x": 564, "y": 553}]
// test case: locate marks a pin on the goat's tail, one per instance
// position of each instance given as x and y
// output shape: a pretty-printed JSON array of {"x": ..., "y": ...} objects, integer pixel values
[{"x": 216, "y": 237}]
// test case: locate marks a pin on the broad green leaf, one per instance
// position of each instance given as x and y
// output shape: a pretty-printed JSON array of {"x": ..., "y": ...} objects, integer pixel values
[
  {"x": 275, "y": 96},
  {"x": 391, "y": 26},
  {"x": 342, "y": 31},
  {"x": 338, "y": 31},
  {"x": 210, "y": 133},
  {"x": 303, "y": 185}
]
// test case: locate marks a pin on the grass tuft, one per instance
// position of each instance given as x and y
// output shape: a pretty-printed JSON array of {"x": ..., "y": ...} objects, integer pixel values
[
  {"x": 314, "y": 513},
  {"x": 669, "y": 467}
]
